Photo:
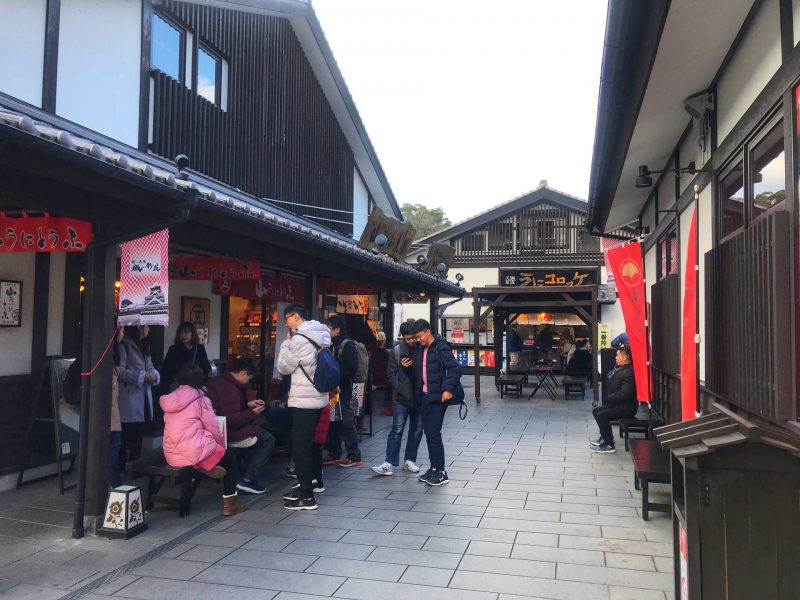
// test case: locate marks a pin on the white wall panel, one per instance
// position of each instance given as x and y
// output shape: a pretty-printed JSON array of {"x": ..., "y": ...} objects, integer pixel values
[
  {"x": 55, "y": 305},
  {"x": 22, "y": 29},
  {"x": 796, "y": 21},
  {"x": 194, "y": 289},
  {"x": 99, "y": 57},
  {"x": 360, "y": 205},
  {"x": 705, "y": 240},
  {"x": 16, "y": 342}
]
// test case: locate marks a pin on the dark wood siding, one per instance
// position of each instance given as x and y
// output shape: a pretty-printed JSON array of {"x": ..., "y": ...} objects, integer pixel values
[
  {"x": 749, "y": 317},
  {"x": 666, "y": 324},
  {"x": 279, "y": 138}
]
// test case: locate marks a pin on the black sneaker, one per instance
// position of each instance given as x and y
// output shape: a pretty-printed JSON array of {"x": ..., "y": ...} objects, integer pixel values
[
  {"x": 597, "y": 442},
  {"x": 290, "y": 472},
  {"x": 425, "y": 475},
  {"x": 301, "y": 504},
  {"x": 293, "y": 494},
  {"x": 318, "y": 486},
  {"x": 437, "y": 478},
  {"x": 604, "y": 449}
]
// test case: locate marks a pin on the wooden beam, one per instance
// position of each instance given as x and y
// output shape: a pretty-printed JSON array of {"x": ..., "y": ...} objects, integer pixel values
[
  {"x": 536, "y": 304},
  {"x": 477, "y": 346},
  {"x": 491, "y": 306}
]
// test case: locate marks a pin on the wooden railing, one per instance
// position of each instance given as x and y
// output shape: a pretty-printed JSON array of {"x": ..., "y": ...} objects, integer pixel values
[{"x": 667, "y": 395}]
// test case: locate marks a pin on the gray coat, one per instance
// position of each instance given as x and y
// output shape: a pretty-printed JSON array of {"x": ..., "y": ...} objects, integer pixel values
[
  {"x": 133, "y": 390},
  {"x": 397, "y": 380}
]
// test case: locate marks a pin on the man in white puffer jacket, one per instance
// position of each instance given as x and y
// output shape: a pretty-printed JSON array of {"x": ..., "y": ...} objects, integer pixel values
[{"x": 305, "y": 400}]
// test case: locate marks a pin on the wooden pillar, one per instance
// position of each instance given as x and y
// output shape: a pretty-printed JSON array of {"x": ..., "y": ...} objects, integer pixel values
[
  {"x": 433, "y": 304},
  {"x": 594, "y": 339},
  {"x": 41, "y": 298},
  {"x": 74, "y": 265},
  {"x": 101, "y": 312},
  {"x": 388, "y": 318},
  {"x": 476, "y": 344},
  {"x": 498, "y": 328},
  {"x": 311, "y": 295},
  {"x": 224, "y": 326}
]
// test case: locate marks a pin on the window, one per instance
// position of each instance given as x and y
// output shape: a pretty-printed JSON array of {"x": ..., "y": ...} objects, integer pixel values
[
  {"x": 167, "y": 48},
  {"x": 732, "y": 195},
  {"x": 587, "y": 242},
  {"x": 209, "y": 71},
  {"x": 546, "y": 230},
  {"x": 768, "y": 166}
]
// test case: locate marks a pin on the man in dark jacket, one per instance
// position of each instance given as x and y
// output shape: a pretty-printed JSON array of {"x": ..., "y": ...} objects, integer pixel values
[
  {"x": 437, "y": 375},
  {"x": 513, "y": 346},
  {"x": 400, "y": 383},
  {"x": 251, "y": 444},
  {"x": 621, "y": 401},
  {"x": 345, "y": 430}
]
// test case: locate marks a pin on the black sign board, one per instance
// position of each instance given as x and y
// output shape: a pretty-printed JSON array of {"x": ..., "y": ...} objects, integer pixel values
[{"x": 547, "y": 277}]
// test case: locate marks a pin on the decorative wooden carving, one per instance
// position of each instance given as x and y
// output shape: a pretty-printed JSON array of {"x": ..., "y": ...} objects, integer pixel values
[
  {"x": 400, "y": 235},
  {"x": 439, "y": 253}
]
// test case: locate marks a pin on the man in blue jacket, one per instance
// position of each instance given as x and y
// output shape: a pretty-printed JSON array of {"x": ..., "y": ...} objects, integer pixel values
[{"x": 437, "y": 376}]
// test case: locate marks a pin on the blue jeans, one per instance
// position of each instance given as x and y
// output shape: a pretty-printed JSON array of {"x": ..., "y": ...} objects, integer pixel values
[{"x": 414, "y": 418}]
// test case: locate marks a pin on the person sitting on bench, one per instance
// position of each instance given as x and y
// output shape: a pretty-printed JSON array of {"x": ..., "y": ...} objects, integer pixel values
[
  {"x": 620, "y": 401},
  {"x": 580, "y": 364},
  {"x": 192, "y": 437}
]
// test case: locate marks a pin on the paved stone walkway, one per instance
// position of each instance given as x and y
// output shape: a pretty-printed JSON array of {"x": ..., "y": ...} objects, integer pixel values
[{"x": 529, "y": 512}]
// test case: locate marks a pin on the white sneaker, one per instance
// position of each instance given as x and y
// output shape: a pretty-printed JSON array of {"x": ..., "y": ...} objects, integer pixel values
[
  {"x": 410, "y": 466},
  {"x": 384, "y": 469}
]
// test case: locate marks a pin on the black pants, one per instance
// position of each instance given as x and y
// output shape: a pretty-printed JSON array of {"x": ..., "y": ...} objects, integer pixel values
[
  {"x": 231, "y": 465},
  {"x": 256, "y": 457},
  {"x": 316, "y": 463},
  {"x": 304, "y": 422},
  {"x": 131, "y": 446},
  {"x": 432, "y": 419},
  {"x": 605, "y": 414},
  {"x": 344, "y": 431}
]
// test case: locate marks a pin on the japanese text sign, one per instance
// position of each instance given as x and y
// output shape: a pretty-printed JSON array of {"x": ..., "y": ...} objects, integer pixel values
[
  {"x": 547, "y": 277},
  {"x": 43, "y": 234},
  {"x": 213, "y": 268}
]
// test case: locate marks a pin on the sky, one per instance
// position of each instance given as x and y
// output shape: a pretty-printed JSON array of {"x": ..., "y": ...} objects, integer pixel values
[{"x": 471, "y": 103}]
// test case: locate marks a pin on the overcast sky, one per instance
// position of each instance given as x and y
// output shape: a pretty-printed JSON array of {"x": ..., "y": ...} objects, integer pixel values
[{"x": 471, "y": 103}]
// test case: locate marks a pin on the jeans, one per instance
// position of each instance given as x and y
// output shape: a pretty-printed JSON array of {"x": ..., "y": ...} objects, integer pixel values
[
  {"x": 432, "y": 418},
  {"x": 114, "y": 447},
  {"x": 605, "y": 414},
  {"x": 256, "y": 457},
  {"x": 304, "y": 422},
  {"x": 401, "y": 415}
]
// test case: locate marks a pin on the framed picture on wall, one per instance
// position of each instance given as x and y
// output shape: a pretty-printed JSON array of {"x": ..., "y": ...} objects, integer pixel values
[
  {"x": 10, "y": 303},
  {"x": 198, "y": 312}
]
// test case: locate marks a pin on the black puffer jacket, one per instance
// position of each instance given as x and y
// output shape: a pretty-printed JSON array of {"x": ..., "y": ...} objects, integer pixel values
[
  {"x": 621, "y": 387},
  {"x": 399, "y": 379},
  {"x": 444, "y": 372}
]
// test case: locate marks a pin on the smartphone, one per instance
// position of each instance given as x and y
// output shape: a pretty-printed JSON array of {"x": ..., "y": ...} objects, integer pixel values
[{"x": 402, "y": 356}]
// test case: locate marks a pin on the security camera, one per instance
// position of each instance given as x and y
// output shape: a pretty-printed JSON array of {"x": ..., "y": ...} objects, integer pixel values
[{"x": 699, "y": 104}]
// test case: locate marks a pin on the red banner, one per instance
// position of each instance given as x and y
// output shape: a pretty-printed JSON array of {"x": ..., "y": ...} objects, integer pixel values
[
  {"x": 335, "y": 287},
  {"x": 213, "y": 268},
  {"x": 626, "y": 264},
  {"x": 144, "y": 280},
  {"x": 43, "y": 234},
  {"x": 266, "y": 288},
  {"x": 689, "y": 349}
]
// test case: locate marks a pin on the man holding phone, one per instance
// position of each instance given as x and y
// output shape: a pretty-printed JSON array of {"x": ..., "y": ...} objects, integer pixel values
[
  {"x": 400, "y": 382},
  {"x": 252, "y": 444}
]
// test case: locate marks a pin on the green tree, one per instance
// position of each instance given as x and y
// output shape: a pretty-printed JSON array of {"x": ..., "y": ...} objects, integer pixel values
[{"x": 425, "y": 220}]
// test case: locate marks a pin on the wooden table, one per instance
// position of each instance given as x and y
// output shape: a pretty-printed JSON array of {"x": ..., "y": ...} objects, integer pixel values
[
  {"x": 650, "y": 465},
  {"x": 545, "y": 379}
]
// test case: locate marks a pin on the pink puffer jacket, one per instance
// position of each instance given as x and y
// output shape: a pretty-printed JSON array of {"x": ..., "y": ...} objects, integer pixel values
[{"x": 191, "y": 432}]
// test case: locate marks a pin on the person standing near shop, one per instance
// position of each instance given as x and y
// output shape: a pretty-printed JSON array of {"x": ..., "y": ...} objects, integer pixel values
[
  {"x": 136, "y": 378},
  {"x": 437, "y": 375},
  {"x": 400, "y": 384},
  {"x": 298, "y": 358},
  {"x": 621, "y": 402},
  {"x": 185, "y": 350},
  {"x": 514, "y": 346},
  {"x": 344, "y": 349}
]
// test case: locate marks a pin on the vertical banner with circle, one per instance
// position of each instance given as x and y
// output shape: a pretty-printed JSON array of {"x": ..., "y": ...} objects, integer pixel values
[
  {"x": 626, "y": 264},
  {"x": 689, "y": 349},
  {"x": 144, "y": 281}
]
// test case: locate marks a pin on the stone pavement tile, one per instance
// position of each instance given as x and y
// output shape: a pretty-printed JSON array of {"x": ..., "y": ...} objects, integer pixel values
[
  {"x": 405, "y": 516},
  {"x": 503, "y": 503},
  {"x": 537, "y": 539},
  {"x": 472, "y": 501},
  {"x": 281, "y": 561},
  {"x": 485, "y": 494},
  {"x": 427, "y": 576},
  {"x": 270, "y": 579},
  {"x": 116, "y": 585},
  {"x": 401, "y": 539},
  {"x": 634, "y": 522},
  {"x": 99, "y": 560},
  {"x": 362, "y": 589},
  {"x": 559, "y": 555},
  {"x": 223, "y": 525},
  {"x": 24, "y": 591},
  {"x": 639, "y": 562},
  {"x": 561, "y": 507},
  {"x": 664, "y": 564},
  {"x": 328, "y": 500},
  {"x": 624, "y": 533},
  {"x": 207, "y": 554},
  {"x": 461, "y": 520},
  {"x": 373, "y": 503},
  {"x": 151, "y": 588},
  {"x": 516, "y": 584},
  {"x": 490, "y": 549},
  {"x": 479, "y": 485},
  {"x": 421, "y": 496},
  {"x": 488, "y": 471},
  {"x": 268, "y": 543},
  {"x": 620, "y": 511},
  {"x": 227, "y": 539},
  {"x": 459, "y": 533},
  {"x": 620, "y": 577},
  {"x": 293, "y": 596},
  {"x": 332, "y": 549},
  {"x": 631, "y": 502},
  {"x": 357, "y": 568},
  {"x": 327, "y": 510},
  {"x": 357, "y": 491},
  {"x": 170, "y": 568},
  {"x": 320, "y": 520},
  {"x": 62, "y": 576},
  {"x": 658, "y": 535},
  {"x": 528, "y": 515},
  {"x": 623, "y": 593},
  {"x": 539, "y": 526},
  {"x": 437, "y": 544},
  {"x": 298, "y": 532},
  {"x": 543, "y": 497},
  {"x": 177, "y": 551},
  {"x": 508, "y": 566},
  {"x": 423, "y": 558}
]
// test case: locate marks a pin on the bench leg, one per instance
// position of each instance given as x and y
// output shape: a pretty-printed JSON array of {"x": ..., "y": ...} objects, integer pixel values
[
  {"x": 645, "y": 499},
  {"x": 636, "y": 483}
]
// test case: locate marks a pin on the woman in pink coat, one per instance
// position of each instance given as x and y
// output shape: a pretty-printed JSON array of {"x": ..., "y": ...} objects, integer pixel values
[{"x": 192, "y": 437}]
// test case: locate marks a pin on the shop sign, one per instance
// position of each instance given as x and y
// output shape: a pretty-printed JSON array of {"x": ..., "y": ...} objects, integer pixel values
[
  {"x": 547, "y": 277},
  {"x": 604, "y": 335},
  {"x": 266, "y": 287},
  {"x": 144, "y": 281},
  {"x": 335, "y": 287},
  {"x": 352, "y": 305},
  {"x": 684, "y": 550},
  {"x": 213, "y": 268},
  {"x": 43, "y": 234}
]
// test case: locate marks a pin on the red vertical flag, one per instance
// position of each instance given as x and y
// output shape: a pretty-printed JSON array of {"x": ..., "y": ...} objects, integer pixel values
[
  {"x": 626, "y": 263},
  {"x": 688, "y": 349}
]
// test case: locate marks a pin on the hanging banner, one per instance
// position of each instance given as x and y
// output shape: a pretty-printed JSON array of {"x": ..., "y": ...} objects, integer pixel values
[
  {"x": 213, "y": 268},
  {"x": 266, "y": 287},
  {"x": 626, "y": 264},
  {"x": 689, "y": 349},
  {"x": 144, "y": 281},
  {"x": 43, "y": 234}
]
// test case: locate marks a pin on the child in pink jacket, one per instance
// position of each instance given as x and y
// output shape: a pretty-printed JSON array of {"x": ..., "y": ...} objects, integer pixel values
[{"x": 192, "y": 437}]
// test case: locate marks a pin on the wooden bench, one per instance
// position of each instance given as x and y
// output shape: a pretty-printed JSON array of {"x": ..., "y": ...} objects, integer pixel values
[
  {"x": 158, "y": 472},
  {"x": 650, "y": 465},
  {"x": 574, "y": 384},
  {"x": 511, "y": 384},
  {"x": 521, "y": 371}
]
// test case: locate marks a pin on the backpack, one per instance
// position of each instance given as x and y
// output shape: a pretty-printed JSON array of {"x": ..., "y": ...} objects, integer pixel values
[
  {"x": 360, "y": 376},
  {"x": 72, "y": 383},
  {"x": 459, "y": 395},
  {"x": 327, "y": 375}
]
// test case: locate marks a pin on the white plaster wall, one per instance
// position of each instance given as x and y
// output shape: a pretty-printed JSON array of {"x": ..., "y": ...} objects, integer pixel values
[
  {"x": 55, "y": 304},
  {"x": 649, "y": 215},
  {"x": 755, "y": 62},
  {"x": 690, "y": 151},
  {"x": 650, "y": 272},
  {"x": 705, "y": 240},
  {"x": 99, "y": 56},
  {"x": 360, "y": 205},
  {"x": 194, "y": 289},
  {"x": 22, "y": 29},
  {"x": 796, "y": 21},
  {"x": 612, "y": 316},
  {"x": 15, "y": 342},
  {"x": 415, "y": 311}
]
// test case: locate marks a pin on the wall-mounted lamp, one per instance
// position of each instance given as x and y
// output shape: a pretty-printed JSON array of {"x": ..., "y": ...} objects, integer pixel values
[
  {"x": 441, "y": 268},
  {"x": 459, "y": 278},
  {"x": 422, "y": 259},
  {"x": 644, "y": 180},
  {"x": 381, "y": 239}
]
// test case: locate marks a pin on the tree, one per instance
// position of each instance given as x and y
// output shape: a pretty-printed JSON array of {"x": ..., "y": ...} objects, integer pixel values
[{"x": 425, "y": 220}]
